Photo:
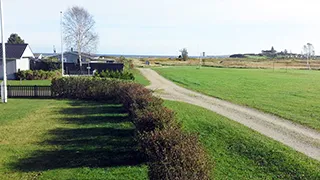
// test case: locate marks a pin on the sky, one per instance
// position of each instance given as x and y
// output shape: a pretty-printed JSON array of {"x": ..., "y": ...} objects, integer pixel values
[{"x": 163, "y": 27}]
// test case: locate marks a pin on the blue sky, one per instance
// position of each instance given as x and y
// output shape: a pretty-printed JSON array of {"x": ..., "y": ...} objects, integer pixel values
[{"x": 162, "y": 27}]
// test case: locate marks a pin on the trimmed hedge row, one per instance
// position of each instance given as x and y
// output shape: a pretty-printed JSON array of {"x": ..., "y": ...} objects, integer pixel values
[
  {"x": 170, "y": 152},
  {"x": 115, "y": 74},
  {"x": 37, "y": 75},
  {"x": 89, "y": 88}
]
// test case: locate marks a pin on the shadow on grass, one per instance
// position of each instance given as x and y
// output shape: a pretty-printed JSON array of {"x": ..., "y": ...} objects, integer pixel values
[{"x": 96, "y": 143}]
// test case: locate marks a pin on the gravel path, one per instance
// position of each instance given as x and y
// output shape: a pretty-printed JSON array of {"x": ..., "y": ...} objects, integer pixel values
[{"x": 298, "y": 137}]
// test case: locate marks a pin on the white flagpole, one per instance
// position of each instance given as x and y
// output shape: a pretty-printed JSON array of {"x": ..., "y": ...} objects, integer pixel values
[
  {"x": 62, "y": 60},
  {"x": 4, "y": 95}
]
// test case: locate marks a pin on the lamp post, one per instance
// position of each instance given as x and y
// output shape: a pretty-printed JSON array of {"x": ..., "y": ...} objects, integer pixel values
[
  {"x": 62, "y": 60},
  {"x": 4, "y": 95}
]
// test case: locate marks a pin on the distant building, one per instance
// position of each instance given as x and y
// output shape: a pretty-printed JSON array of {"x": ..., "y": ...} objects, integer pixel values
[
  {"x": 18, "y": 57},
  {"x": 269, "y": 52},
  {"x": 73, "y": 57}
]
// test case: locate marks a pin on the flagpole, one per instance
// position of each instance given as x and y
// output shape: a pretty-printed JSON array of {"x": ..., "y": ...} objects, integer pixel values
[
  {"x": 4, "y": 95},
  {"x": 62, "y": 60}
]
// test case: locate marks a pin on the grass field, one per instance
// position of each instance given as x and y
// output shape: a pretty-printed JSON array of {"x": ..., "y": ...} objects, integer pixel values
[
  {"x": 293, "y": 95},
  {"x": 241, "y": 153},
  {"x": 30, "y": 82},
  {"x": 51, "y": 139},
  {"x": 139, "y": 78}
]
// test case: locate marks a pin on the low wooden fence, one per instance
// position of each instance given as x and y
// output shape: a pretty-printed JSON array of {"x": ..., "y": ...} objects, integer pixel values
[{"x": 29, "y": 91}]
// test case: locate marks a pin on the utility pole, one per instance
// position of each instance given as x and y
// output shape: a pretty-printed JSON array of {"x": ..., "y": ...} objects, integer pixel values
[
  {"x": 62, "y": 60},
  {"x": 4, "y": 95}
]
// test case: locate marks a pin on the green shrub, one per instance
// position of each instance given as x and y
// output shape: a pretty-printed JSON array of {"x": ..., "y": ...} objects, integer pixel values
[
  {"x": 125, "y": 75},
  {"x": 87, "y": 88},
  {"x": 134, "y": 95},
  {"x": 154, "y": 117},
  {"x": 174, "y": 154},
  {"x": 170, "y": 152},
  {"x": 37, "y": 75}
]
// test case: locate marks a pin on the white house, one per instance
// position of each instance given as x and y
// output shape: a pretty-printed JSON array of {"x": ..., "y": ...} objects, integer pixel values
[{"x": 18, "y": 57}]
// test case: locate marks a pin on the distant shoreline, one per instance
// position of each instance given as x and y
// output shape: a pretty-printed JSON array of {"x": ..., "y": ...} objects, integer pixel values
[{"x": 141, "y": 56}]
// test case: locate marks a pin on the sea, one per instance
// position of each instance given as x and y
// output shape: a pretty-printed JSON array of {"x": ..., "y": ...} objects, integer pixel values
[{"x": 144, "y": 56}]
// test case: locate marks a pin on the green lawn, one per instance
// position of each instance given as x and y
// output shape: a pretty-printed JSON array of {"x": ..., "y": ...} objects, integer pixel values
[
  {"x": 30, "y": 82},
  {"x": 293, "y": 95},
  {"x": 139, "y": 78},
  {"x": 241, "y": 153},
  {"x": 52, "y": 139}
]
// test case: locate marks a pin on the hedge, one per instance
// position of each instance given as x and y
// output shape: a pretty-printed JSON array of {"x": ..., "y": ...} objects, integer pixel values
[
  {"x": 88, "y": 88},
  {"x": 170, "y": 152},
  {"x": 115, "y": 74},
  {"x": 37, "y": 75}
]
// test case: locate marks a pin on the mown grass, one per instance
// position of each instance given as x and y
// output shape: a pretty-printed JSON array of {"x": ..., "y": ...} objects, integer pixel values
[
  {"x": 67, "y": 140},
  {"x": 29, "y": 82},
  {"x": 293, "y": 95},
  {"x": 241, "y": 153},
  {"x": 139, "y": 78}
]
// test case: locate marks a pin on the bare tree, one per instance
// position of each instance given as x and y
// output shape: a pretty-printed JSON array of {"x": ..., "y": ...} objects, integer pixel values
[
  {"x": 184, "y": 54},
  {"x": 309, "y": 53},
  {"x": 78, "y": 25}
]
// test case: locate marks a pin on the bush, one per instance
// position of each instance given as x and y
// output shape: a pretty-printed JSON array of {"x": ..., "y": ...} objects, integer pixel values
[
  {"x": 134, "y": 95},
  {"x": 87, "y": 88},
  {"x": 173, "y": 154},
  {"x": 170, "y": 152},
  {"x": 152, "y": 118},
  {"x": 37, "y": 75},
  {"x": 125, "y": 75}
]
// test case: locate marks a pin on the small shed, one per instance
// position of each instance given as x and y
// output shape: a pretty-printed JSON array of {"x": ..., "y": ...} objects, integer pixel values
[{"x": 17, "y": 57}]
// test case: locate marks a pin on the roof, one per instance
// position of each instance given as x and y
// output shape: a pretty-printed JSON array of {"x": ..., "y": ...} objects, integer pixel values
[
  {"x": 13, "y": 51},
  {"x": 89, "y": 56}
]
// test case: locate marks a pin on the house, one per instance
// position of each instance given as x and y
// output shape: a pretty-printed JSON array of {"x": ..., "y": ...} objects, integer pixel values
[
  {"x": 73, "y": 57},
  {"x": 18, "y": 57}
]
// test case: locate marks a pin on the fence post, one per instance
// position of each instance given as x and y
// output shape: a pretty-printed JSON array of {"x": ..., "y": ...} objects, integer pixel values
[
  {"x": 51, "y": 91},
  {"x": 36, "y": 91}
]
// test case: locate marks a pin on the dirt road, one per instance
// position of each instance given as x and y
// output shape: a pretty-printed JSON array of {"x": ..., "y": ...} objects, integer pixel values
[{"x": 298, "y": 137}]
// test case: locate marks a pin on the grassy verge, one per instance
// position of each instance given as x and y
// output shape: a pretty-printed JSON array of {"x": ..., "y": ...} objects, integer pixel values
[
  {"x": 293, "y": 95},
  {"x": 240, "y": 153},
  {"x": 139, "y": 78},
  {"x": 18, "y": 109},
  {"x": 67, "y": 140},
  {"x": 30, "y": 82}
]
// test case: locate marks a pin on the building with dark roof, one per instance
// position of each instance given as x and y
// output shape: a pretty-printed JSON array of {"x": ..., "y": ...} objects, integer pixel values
[
  {"x": 73, "y": 57},
  {"x": 18, "y": 57}
]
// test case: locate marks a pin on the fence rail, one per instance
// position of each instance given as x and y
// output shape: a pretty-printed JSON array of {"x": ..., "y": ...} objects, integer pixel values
[{"x": 29, "y": 91}]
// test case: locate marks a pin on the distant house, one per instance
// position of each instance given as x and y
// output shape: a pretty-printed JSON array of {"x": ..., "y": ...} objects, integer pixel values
[
  {"x": 271, "y": 52},
  {"x": 18, "y": 57},
  {"x": 73, "y": 57}
]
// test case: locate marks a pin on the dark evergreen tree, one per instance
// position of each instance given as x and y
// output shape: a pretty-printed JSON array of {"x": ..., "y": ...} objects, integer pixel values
[{"x": 15, "y": 39}]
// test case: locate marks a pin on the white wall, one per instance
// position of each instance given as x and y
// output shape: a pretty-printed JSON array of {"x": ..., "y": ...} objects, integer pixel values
[
  {"x": 11, "y": 69},
  {"x": 28, "y": 53},
  {"x": 22, "y": 64}
]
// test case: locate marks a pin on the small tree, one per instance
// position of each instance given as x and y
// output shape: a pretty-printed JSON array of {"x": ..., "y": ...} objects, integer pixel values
[
  {"x": 272, "y": 50},
  {"x": 309, "y": 53},
  {"x": 15, "y": 39},
  {"x": 184, "y": 54},
  {"x": 79, "y": 32}
]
